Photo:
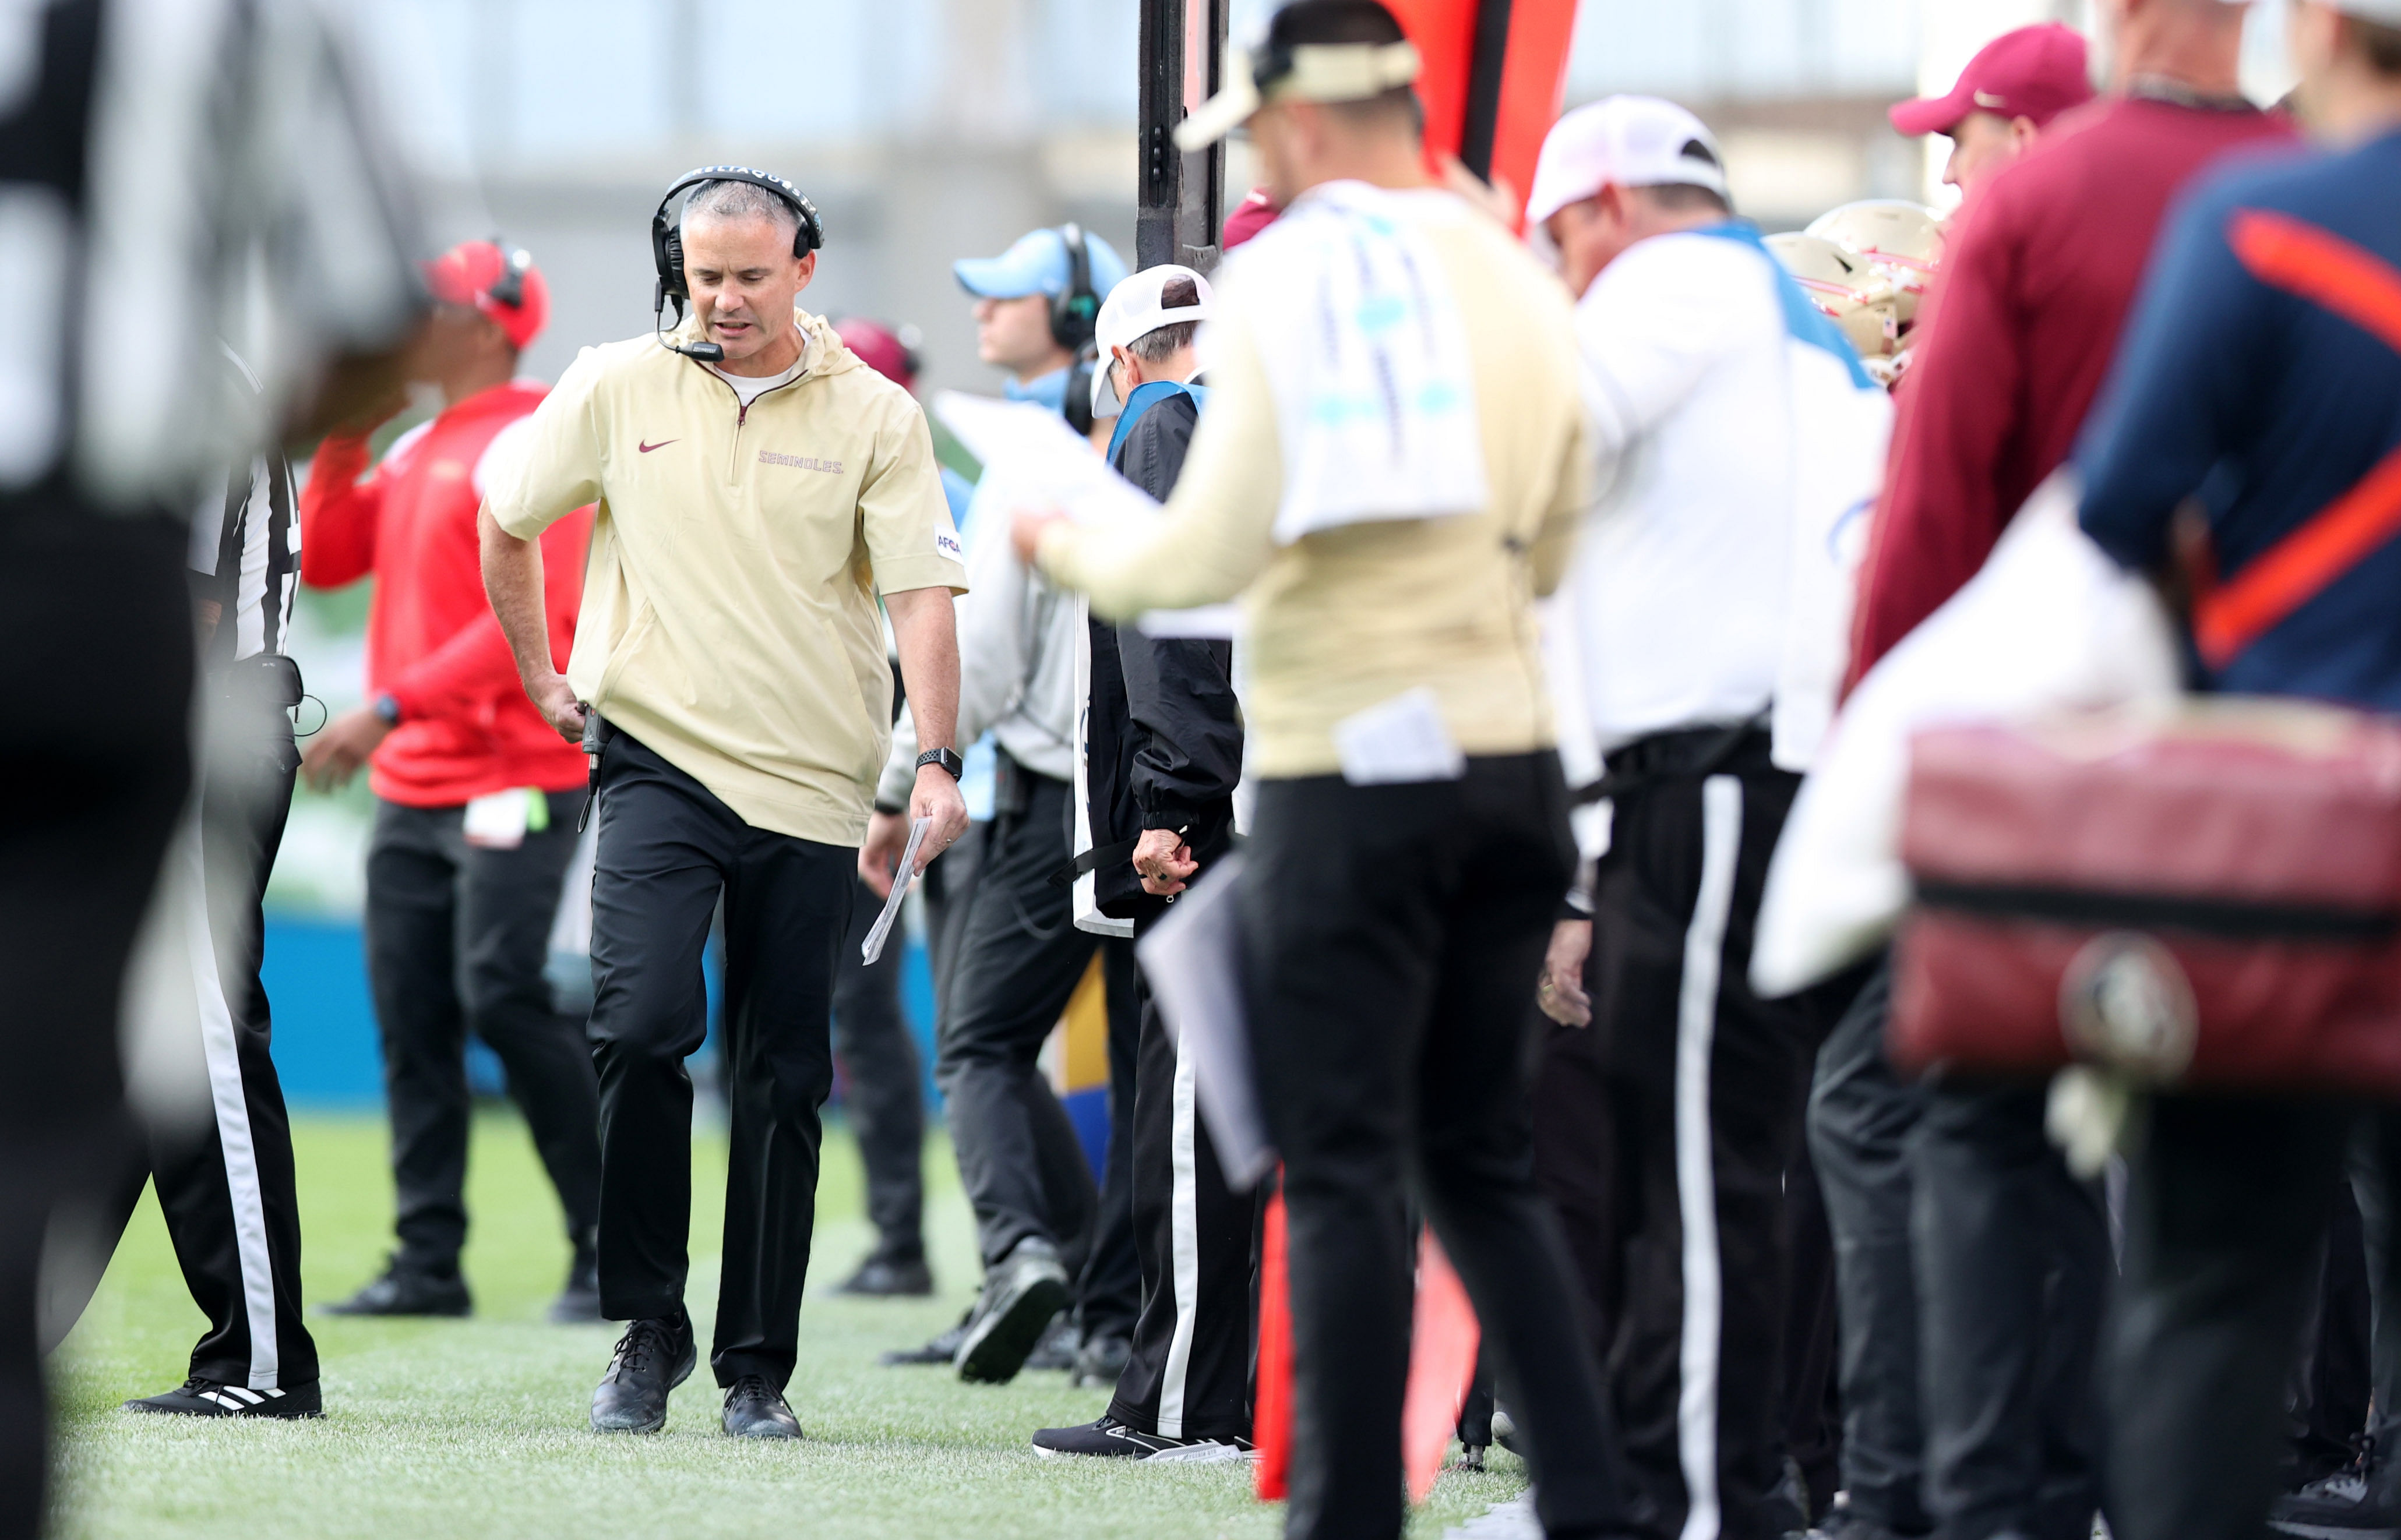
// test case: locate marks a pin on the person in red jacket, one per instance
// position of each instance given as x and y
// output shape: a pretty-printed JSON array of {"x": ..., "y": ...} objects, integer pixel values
[{"x": 476, "y": 798}]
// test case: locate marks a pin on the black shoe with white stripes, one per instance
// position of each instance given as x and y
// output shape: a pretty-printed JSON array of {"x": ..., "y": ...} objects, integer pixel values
[
  {"x": 1110, "y": 1438},
  {"x": 199, "y": 1397}
]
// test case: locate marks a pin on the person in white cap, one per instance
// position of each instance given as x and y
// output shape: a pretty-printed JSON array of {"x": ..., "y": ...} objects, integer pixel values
[
  {"x": 1388, "y": 471},
  {"x": 1713, "y": 384},
  {"x": 1163, "y": 756}
]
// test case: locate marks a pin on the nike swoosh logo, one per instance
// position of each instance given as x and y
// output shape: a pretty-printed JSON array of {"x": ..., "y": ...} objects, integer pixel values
[{"x": 646, "y": 448}]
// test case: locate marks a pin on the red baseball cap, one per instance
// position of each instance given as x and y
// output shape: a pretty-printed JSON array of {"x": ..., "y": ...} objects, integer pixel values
[
  {"x": 890, "y": 353},
  {"x": 2034, "y": 71},
  {"x": 504, "y": 285}
]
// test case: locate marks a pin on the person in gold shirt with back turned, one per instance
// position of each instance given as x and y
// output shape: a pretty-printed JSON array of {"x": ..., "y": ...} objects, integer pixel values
[{"x": 1391, "y": 471}]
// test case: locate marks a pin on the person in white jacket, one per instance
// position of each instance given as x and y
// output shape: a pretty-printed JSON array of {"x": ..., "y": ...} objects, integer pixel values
[{"x": 1735, "y": 427}]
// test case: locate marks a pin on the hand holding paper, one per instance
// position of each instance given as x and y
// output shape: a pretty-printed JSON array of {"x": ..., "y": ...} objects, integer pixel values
[{"x": 903, "y": 880}]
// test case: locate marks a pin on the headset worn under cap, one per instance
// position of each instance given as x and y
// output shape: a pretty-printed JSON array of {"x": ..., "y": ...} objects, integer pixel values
[{"x": 1298, "y": 72}]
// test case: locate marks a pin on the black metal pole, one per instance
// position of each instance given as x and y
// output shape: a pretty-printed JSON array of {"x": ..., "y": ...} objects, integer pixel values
[
  {"x": 1179, "y": 198},
  {"x": 1488, "y": 55}
]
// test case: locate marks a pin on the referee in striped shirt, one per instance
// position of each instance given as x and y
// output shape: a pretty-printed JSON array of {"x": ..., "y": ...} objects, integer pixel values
[
  {"x": 186, "y": 162},
  {"x": 224, "y": 1173},
  {"x": 224, "y": 1181}
]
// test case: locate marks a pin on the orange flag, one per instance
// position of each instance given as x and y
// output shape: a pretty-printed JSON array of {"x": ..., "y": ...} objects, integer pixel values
[
  {"x": 1272, "y": 1401},
  {"x": 1444, "y": 1338},
  {"x": 1442, "y": 1366},
  {"x": 1498, "y": 104}
]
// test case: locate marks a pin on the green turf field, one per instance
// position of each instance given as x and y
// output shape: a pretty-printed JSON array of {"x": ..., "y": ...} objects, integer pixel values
[{"x": 476, "y": 1427}]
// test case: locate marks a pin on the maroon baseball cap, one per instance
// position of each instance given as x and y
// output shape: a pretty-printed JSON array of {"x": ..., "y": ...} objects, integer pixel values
[
  {"x": 2034, "y": 71},
  {"x": 1255, "y": 212}
]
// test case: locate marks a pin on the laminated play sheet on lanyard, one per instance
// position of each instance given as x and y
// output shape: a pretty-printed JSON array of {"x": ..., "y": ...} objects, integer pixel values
[{"x": 902, "y": 880}]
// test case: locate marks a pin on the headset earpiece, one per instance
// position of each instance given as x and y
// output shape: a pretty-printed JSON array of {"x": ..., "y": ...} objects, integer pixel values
[{"x": 1075, "y": 308}]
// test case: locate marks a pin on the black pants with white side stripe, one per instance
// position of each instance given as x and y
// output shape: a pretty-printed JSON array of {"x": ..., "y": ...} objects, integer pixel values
[
  {"x": 1392, "y": 936},
  {"x": 1708, "y": 1085},
  {"x": 225, "y": 1174},
  {"x": 227, "y": 1185},
  {"x": 1189, "y": 1375}
]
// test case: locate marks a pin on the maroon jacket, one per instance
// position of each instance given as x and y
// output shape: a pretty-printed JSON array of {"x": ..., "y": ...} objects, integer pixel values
[{"x": 2020, "y": 328}]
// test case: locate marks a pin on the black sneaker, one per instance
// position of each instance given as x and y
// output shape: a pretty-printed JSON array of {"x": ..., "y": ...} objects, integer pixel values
[
  {"x": 405, "y": 1290},
  {"x": 1019, "y": 1297},
  {"x": 1100, "y": 1361},
  {"x": 1109, "y": 1439},
  {"x": 881, "y": 1278},
  {"x": 199, "y": 1397},
  {"x": 579, "y": 1303},
  {"x": 652, "y": 1357},
  {"x": 2342, "y": 1506},
  {"x": 943, "y": 1349},
  {"x": 1059, "y": 1345},
  {"x": 756, "y": 1410}
]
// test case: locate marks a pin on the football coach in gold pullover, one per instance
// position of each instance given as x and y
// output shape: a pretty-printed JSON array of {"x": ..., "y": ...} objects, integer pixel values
[
  {"x": 759, "y": 489},
  {"x": 1392, "y": 468}
]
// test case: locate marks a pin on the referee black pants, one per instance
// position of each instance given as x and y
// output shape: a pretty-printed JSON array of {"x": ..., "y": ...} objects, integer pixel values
[
  {"x": 668, "y": 849},
  {"x": 1392, "y": 936},
  {"x": 458, "y": 936},
  {"x": 1708, "y": 1083},
  {"x": 96, "y": 639},
  {"x": 224, "y": 1175},
  {"x": 1189, "y": 1373}
]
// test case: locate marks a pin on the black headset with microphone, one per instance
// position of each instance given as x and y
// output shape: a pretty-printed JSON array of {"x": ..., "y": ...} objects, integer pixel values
[
  {"x": 666, "y": 247},
  {"x": 1075, "y": 307}
]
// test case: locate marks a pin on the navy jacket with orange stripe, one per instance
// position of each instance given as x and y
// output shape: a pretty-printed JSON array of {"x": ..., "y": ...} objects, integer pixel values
[{"x": 2260, "y": 374}]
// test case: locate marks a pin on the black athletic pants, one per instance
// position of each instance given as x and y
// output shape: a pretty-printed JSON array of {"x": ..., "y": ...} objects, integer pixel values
[
  {"x": 2333, "y": 1384},
  {"x": 1018, "y": 958},
  {"x": 1189, "y": 1375},
  {"x": 1393, "y": 936},
  {"x": 96, "y": 639},
  {"x": 226, "y": 1184},
  {"x": 882, "y": 1095},
  {"x": 457, "y": 936},
  {"x": 224, "y": 1174},
  {"x": 1709, "y": 1083},
  {"x": 2013, "y": 1270},
  {"x": 1861, "y": 1119},
  {"x": 2229, "y": 1200},
  {"x": 668, "y": 848},
  {"x": 1108, "y": 1294},
  {"x": 1576, "y": 1164}
]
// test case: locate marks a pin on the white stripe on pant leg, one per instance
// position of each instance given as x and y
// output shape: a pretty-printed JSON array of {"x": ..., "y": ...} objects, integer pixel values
[
  {"x": 1696, "y": 1188},
  {"x": 1184, "y": 1250},
  {"x": 232, "y": 1107}
]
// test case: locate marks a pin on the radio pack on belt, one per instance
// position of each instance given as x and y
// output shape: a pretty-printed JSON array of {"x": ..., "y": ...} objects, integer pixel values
[{"x": 2209, "y": 896}]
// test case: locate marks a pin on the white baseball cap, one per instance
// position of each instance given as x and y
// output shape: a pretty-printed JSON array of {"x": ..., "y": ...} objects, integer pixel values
[
  {"x": 1134, "y": 309},
  {"x": 1625, "y": 140}
]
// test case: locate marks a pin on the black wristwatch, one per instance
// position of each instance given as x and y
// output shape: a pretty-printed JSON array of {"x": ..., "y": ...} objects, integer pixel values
[
  {"x": 953, "y": 766},
  {"x": 389, "y": 709}
]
